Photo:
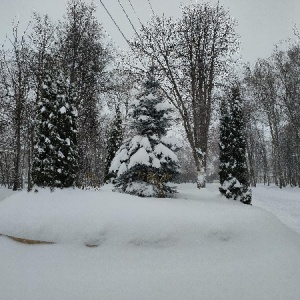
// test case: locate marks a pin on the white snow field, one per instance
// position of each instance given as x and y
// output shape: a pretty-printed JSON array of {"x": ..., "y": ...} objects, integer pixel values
[
  {"x": 4, "y": 193},
  {"x": 198, "y": 246},
  {"x": 283, "y": 203}
]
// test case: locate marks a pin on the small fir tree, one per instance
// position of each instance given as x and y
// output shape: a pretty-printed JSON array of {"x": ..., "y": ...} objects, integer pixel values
[
  {"x": 145, "y": 163},
  {"x": 233, "y": 169},
  {"x": 113, "y": 143},
  {"x": 55, "y": 151}
]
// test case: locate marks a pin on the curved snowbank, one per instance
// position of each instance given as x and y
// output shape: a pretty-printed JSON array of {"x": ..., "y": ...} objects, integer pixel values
[{"x": 195, "y": 218}]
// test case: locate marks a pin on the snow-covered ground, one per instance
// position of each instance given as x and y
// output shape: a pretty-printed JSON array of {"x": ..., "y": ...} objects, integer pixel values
[
  {"x": 4, "y": 193},
  {"x": 197, "y": 246},
  {"x": 283, "y": 203}
]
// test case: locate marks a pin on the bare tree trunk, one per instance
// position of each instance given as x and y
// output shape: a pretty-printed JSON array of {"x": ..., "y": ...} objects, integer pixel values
[{"x": 17, "y": 156}]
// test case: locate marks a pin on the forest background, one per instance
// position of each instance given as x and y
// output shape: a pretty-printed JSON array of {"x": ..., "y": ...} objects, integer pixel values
[{"x": 107, "y": 80}]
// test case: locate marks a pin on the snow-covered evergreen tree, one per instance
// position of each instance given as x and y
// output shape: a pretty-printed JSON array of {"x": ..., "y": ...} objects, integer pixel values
[
  {"x": 113, "y": 143},
  {"x": 147, "y": 162},
  {"x": 233, "y": 169},
  {"x": 55, "y": 152}
]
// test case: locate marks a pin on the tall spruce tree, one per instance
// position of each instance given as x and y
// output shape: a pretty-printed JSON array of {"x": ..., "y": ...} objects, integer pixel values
[
  {"x": 84, "y": 56},
  {"x": 55, "y": 151},
  {"x": 147, "y": 162},
  {"x": 233, "y": 169},
  {"x": 113, "y": 143}
]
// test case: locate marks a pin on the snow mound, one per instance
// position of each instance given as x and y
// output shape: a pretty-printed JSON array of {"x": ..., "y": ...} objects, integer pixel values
[
  {"x": 194, "y": 219},
  {"x": 197, "y": 246}
]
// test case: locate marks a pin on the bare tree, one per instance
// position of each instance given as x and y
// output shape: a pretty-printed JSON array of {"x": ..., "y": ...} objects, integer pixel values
[
  {"x": 191, "y": 55},
  {"x": 274, "y": 87},
  {"x": 265, "y": 90},
  {"x": 287, "y": 68},
  {"x": 15, "y": 79}
]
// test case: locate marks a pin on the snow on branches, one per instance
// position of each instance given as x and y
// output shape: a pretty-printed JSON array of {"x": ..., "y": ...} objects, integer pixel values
[
  {"x": 146, "y": 162},
  {"x": 233, "y": 170}
]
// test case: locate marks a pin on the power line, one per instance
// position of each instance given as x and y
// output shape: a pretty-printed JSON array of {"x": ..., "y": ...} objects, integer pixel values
[
  {"x": 151, "y": 7},
  {"x": 141, "y": 21},
  {"x": 128, "y": 18},
  {"x": 120, "y": 28},
  {"x": 115, "y": 23},
  {"x": 135, "y": 12}
]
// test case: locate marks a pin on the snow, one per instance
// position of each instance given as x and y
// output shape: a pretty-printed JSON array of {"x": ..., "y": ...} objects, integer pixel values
[
  {"x": 197, "y": 246},
  {"x": 141, "y": 187},
  {"x": 145, "y": 143},
  {"x": 143, "y": 154},
  {"x": 173, "y": 141},
  {"x": 143, "y": 118},
  {"x": 4, "y": 193},
  {"x": 122, "y": 169},
  {"x": 151, "y": 96},
  {"x": 74, "y": 112},
  {"x": 156, "y": 163},
  {"x": 60, "y": 154},
  {"x": 163, "y": 106},
  {"x": 116, "y": 162},
  {"x": 283, "y": 203},
  {"x": 63, "y": 110},
  {"x": 40, "y": 150},
  {"x": 135, "y": 102},
  {"x": 230, "y": 183},
  {"x": 165, "y": 152},
  {"x": 140, "y": 157},
  {"x": 134, "y": 143}
]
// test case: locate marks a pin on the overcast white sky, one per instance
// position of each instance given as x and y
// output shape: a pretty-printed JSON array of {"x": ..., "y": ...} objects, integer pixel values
[{"x": 262, "y": 23}]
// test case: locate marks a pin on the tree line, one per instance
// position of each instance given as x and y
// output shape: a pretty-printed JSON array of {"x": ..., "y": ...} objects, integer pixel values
[
  {"x": 72, "y": 51},
  {"x": 91, "y": 87},
  {"x": 272, "y": 90}
]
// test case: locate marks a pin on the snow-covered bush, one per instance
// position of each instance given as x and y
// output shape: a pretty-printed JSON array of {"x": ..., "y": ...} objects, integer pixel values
[
  {"x": 147, "y": 162},
  {"x": 233, "y": 169}
]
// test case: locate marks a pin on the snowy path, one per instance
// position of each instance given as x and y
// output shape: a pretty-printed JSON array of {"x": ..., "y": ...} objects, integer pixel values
[{"x": 283, "y": 203}]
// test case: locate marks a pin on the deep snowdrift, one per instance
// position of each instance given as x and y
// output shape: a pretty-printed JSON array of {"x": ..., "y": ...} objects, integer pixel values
[{"x": 198, "y": 246}]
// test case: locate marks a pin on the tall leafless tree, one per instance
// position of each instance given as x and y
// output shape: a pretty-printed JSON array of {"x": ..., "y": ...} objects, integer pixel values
[
  {"x": 15, "y": 79},
  {"x": 191, "y": 55},
  {"x": 273, "y": 85}
]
